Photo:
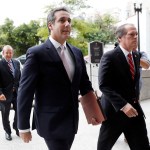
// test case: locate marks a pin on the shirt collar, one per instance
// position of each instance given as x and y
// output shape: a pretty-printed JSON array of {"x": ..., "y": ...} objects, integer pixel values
[
  {"x": 55, "y": 43},
  {"x": 10, "y": 61},
  {"x": 125, "y": 51}
]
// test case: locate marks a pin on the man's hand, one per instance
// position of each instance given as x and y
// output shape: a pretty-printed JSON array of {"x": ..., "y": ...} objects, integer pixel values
[
  {"x": 129, "y": 110},
  {"x": 94, "y": 121},
  {"x": 26, "y": 137},
  {"x": 2, "y": 97}
]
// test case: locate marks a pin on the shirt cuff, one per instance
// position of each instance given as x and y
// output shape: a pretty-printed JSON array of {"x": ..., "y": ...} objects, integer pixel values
[
  {"x": 24, "y": 131},
  {"x": 124, "y": 107}
]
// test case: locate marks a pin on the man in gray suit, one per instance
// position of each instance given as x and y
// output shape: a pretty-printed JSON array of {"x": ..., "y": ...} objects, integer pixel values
[{"x": 9, "y": 83}]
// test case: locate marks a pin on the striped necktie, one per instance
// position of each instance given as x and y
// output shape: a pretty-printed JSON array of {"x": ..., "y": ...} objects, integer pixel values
[
  {"x": 10, "y": 67},
  {"x": 130, "y": 61}
]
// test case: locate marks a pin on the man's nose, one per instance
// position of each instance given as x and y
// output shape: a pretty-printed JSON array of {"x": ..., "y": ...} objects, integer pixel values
[{"x": 67, "y": 23}]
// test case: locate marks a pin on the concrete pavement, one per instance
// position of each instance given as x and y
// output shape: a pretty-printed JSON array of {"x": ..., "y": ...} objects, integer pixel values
[{"x": 86, "y": 139}]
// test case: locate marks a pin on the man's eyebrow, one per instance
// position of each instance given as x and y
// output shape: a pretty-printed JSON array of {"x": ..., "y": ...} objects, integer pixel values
[{"x": 65, "y": 17}]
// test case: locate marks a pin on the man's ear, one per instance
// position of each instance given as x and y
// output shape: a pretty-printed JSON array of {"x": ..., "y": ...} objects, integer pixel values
[
  {"x": 2, "y": 52},
  {"x": 119, "y": 39},
  {"x": 50, "y": 25}
]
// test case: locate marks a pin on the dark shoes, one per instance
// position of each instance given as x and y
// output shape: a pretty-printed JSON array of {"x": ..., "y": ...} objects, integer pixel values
[
  {"x": 17, "y": 132},
  {"x": 8, "y": 136}
]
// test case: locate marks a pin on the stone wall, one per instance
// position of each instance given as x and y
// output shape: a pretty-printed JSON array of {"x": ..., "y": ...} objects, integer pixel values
[{"x": 145, "y": 91}]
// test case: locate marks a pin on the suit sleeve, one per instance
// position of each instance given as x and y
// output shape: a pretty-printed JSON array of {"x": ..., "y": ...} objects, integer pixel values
[
  {"x": 106, "y": 82},
  {"x": 85, "y": 83},
  {"x": 26, "y": 91}
]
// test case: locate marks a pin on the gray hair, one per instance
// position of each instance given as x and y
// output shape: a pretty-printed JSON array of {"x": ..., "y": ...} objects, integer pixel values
[
  {"x": 7, "y": 47},
  {"x": 122, "y": 30}
]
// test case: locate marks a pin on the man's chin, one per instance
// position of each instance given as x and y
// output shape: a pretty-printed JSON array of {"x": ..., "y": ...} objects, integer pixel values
[{"x": 66, "y": 36}]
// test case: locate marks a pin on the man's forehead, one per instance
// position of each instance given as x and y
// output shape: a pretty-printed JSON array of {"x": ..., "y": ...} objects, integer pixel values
[
  {"x": 8, "y": 50},
  {"x": 63, "y": 14},
  {"x": 64, "y": 17},
  {"x": 60, "y": 13},
  {"x": 131, "y": 28}
]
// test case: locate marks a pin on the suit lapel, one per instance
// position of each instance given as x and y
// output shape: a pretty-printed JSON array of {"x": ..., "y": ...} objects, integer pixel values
[
  {"x": 54, "y": 57},
  {"x": 15, "y": 67},
  {"x": 14, "y": 64},
  {"x": 123, "y": 62},
  {"x": 6, "y": 66},
  {"x": 136, "y": 63},
  {"x": 51, "y": 51},
  {"x": 74, "y": 57}
]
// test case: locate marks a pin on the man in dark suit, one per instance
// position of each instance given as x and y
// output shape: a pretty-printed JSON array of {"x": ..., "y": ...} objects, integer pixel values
[
  {"x": 9, "y": 83},
  {"x": 45, "y": 75},
  {"x": 144, "y": 63},
  {"x": 120, "y": 94}
]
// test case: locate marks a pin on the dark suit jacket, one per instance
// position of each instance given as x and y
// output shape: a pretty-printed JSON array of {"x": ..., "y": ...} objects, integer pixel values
[
  {"x": 56, "y": 98},
  {"x": 116, "y": 83},
  {"x": 7, "y": 80}
]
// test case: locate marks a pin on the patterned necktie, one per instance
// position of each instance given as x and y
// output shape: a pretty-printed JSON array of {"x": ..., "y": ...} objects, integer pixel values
[
  {"x": 130, "y": 61},
  {"x": 65, "y": 61},
  {"x": 10, "y": 67}
]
